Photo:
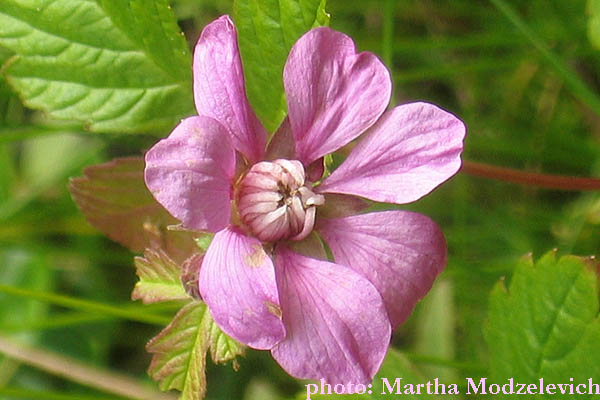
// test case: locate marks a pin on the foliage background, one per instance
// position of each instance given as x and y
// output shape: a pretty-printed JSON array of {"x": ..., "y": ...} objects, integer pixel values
[{"x": 528, "y": 94}]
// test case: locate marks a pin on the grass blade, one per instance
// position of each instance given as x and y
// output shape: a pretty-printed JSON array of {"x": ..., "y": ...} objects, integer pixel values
[
  {"x": 577, "y": 87},
  {"x": 87, "y": 305}
]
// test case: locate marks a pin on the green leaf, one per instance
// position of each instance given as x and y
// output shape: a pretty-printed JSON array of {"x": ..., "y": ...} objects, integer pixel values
[
  {"x": 160, "y": 278},
  {"x": 204, "y": 241},
  {"x": 179, "y": 360},
  {"x": 165, "y": 43},
  {"x": 546, "y": 324},
  {"x": 118, "y": 66},
  {"x": 115, "y": 200},
  {"x": 222, "y": 347},
  {"x": 267, "y": 31},
  {"x": 397, "y": 376}
]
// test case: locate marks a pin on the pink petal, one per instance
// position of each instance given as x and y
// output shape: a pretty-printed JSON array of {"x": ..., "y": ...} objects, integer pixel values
[
  {"x": 400, "y": 252},
  {"x": 219, "y": 90},
  {"x": 190, "y": 173},
  {"x": 333, "y": 93},
  {"x": 337, "y": 327},
  {"x": 237, "y": 282},
  {"x": 411, "y": 150}
]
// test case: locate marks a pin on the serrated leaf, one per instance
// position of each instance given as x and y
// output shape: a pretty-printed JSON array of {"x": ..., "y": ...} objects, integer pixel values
[
  {"x": 222, "y": 347},
  {"x": 546, "y": 324},
  {"x": 267, "y": 31},
  {"x": 165, "y": 43},
  {"x": 114, "y": 199},
  {"x": 179, "y": 359},
  {"x": 160, "y": 278},
  {"x": 179, "y": 352},
  {"x": 118, "y": 66}
]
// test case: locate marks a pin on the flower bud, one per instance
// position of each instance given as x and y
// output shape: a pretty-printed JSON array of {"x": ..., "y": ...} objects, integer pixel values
[{"x": 275, "y": 204}]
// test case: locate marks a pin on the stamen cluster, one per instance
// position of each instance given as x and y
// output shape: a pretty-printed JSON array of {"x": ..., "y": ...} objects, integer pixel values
[{"x": 275, "y": 202}]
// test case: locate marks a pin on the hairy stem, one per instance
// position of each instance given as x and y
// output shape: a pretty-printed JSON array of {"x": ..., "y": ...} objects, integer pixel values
[{"x": 548, "y": 181}]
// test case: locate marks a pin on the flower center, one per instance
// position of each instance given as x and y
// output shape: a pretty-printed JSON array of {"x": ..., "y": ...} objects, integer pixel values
[{"x": 275, "y": 203}]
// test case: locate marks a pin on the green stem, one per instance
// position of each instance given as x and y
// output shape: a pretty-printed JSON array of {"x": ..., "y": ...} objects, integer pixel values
[
  {"x": 87, "y": 306},
  {"x": 66, "y": 319},
  {"x": 56, "y": 321},
  {"x": 577, "y": 87}
]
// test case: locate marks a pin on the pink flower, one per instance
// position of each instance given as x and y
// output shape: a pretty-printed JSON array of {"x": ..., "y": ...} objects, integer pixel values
[{"x": 265, "y": 276}]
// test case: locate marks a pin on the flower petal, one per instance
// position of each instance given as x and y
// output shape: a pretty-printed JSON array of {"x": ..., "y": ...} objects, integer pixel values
[
  {"x": 219, "y": 90},
  {"x": 190, "y": 173},
  {"x": 411, "y": 150},
  {"x": 400, "y": 252},
  {"x": 237, "y": 282},
  {"x": 337, "y": 327},
  {"x": 333, "y": 93}
]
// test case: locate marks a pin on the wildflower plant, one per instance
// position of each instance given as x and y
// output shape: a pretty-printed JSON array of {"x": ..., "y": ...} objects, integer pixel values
[
  {"x": 269, "y": 209},
  {"x": 271, "y": 216},
  {"x": 265, "y": 277}
]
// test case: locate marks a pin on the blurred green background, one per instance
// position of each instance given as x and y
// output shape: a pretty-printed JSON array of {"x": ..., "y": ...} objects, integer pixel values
[{"x": 530, "y": 108}]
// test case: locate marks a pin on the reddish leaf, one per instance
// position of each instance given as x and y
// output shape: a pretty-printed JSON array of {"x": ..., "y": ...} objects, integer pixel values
[{"x": 114, "y": 199}]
